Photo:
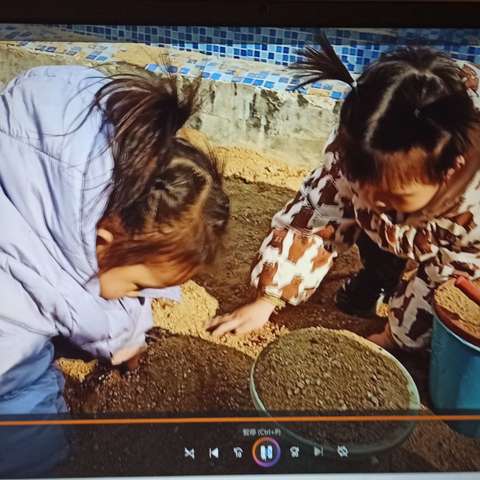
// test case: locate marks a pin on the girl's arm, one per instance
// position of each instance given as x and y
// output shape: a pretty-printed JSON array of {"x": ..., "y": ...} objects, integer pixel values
[
  {"x": 422, "y": 243},
  {"x": 306, "y": 235}
]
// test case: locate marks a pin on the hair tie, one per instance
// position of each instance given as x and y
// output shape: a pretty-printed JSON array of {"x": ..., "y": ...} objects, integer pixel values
[
  {"x": 160, "y": 184},
  {"x": 416, "y": 112}
]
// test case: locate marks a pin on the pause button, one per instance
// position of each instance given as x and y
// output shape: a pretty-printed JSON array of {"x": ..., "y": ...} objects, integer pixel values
[{"x": 266, "y": 452}]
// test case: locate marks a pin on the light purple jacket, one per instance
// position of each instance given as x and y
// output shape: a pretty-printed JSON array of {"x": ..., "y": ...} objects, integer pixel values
[{"x": 55, "y": 170}]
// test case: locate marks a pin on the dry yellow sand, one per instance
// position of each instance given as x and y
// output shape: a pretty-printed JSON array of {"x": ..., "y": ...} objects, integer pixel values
[{"x": 190, "y": 316}]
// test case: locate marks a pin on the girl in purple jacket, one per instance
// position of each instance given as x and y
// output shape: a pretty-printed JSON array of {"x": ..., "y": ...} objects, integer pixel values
[{"x": 100, "y": 202}]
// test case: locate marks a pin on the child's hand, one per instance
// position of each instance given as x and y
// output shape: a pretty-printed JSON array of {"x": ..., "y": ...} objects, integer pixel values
[
  {"x": 243, "y": 320},
  {"x": 384, "y": 339},
  {"x": 130, "y": 356}
]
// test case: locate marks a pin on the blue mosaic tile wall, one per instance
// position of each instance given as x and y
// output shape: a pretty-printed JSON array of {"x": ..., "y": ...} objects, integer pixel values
[
  {"x": 273, "y": 49},
  {"x": 357, "y": 48}
]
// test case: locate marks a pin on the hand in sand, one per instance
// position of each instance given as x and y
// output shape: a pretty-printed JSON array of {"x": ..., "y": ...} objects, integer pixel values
[
  {"x": 130, "y": 356},
  {"x": 384, "y": 339},
  {"x": 243, "y": 320}
]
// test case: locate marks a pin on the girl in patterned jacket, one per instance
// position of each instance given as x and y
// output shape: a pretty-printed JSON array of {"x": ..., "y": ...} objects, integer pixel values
[{"x": 400, "y": 178}]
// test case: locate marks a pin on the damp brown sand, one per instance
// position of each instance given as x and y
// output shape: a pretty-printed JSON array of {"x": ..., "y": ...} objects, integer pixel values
[
  {"x": 320, "y": 371},
  {"x": 177, "y": 374}
]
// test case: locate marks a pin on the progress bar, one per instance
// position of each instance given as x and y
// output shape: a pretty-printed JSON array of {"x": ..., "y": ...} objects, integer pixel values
[{"x": 200, "y": 420}]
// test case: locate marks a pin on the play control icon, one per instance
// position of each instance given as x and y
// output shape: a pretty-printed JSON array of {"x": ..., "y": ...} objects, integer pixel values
[
  {"x": 213, "y": 452},
  {"x": 189, "y": 453},
  {"x": 318, "y": 451},
  {"x": 238, "y": 452},
  {"x": 266, "y": 452},
  {"x": 342, "y": 451}
]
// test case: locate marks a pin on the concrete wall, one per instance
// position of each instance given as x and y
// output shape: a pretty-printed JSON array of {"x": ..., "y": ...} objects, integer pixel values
[{"x": 292, "y": 126}]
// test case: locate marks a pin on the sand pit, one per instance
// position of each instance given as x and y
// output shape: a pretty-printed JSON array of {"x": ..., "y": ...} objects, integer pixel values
[
  {"x": 185, "y": 372},
  {"x": 256, "y": 186},
  {"x": 458, "y": 311}
]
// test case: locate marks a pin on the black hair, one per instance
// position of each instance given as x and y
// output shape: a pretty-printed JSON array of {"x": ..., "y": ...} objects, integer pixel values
[
  {"x": 167, "y": 198},
  {"x": 410, "y": 98}
]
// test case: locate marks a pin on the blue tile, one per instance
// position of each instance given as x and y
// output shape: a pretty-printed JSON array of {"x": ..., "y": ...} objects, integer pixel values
[
  {"x": 247, "y": 80},
  {"x": 268, "y": 84},
  {"x": 257, "y": 83}
]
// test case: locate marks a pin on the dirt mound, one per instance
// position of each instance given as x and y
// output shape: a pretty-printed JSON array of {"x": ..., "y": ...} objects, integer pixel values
[
  {"x": 249, "y": 165},
  {"x": 177, "y": 374},
  {"x": 191, "y": 315}
]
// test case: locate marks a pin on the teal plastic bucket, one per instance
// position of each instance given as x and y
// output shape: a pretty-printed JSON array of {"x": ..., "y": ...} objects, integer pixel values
[{"x": 455, "y": 377}]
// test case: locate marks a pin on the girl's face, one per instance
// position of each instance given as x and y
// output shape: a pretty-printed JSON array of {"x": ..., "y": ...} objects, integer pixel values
[
  {"x": 405, "y": 199},
  {"x": 127, "y": 281}
]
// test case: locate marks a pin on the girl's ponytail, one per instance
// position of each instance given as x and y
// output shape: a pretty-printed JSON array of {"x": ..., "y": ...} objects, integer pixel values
[
  {"x": 322, "y": 65},
  {"x": 146, "y": 115}
]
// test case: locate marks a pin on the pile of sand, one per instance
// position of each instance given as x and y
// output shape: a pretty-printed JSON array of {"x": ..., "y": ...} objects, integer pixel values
[
  {"x": 77, "y": 370},
  {"x": 191, "y": 315},
  {"x": 458, "y": 311},
  {"x": 323, "y": 369},
  {"x": 176, "y": 374},
  {"x": 318, "y": 371},
  {"x": 249, "y": 165}
]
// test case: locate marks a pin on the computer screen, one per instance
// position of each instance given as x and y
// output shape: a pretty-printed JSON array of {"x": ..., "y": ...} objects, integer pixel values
[{"x": 239, "y": 250}]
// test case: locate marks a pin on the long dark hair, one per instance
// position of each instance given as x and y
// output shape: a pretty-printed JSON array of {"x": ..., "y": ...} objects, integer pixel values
[
  {"x": 411, "y": 98},
  {"x": 167, "y": 201}
]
